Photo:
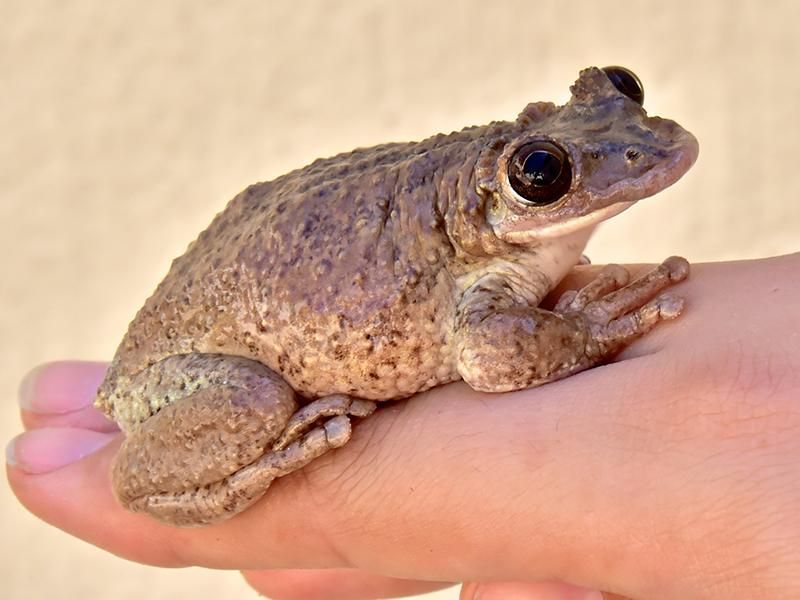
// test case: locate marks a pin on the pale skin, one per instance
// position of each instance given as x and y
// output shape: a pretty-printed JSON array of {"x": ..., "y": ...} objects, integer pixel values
[{"x": 669, "y": 474}]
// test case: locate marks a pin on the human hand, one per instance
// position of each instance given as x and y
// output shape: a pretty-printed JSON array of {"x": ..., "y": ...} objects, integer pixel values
[{"x": 670, "y": 474}]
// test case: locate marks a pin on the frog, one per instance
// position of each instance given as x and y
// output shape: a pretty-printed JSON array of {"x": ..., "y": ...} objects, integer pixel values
[{"x": 380, "y": 273}]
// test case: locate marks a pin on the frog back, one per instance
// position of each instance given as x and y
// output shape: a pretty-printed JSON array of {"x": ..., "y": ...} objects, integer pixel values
[{"x": 335, "y": 275}]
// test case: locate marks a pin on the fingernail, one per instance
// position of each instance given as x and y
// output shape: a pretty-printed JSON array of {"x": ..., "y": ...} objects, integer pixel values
[
  {"x": 60, "y": 387},
  {"x": 47, "y": 449},
  {"x": 27, "y": 389}
]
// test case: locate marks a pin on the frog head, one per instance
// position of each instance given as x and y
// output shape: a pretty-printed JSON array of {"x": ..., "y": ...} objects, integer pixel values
[{"x": 566, "y": 168}]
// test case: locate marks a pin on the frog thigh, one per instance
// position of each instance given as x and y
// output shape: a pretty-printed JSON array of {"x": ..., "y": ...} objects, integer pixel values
[{"x": 210, "y": 454}]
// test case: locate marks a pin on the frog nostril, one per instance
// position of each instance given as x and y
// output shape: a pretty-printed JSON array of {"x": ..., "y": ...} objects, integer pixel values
[{"x": 632, "y": 155}]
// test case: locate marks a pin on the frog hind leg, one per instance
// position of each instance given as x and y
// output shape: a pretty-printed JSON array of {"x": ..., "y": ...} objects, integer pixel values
[{"x": 216, "y": 444}]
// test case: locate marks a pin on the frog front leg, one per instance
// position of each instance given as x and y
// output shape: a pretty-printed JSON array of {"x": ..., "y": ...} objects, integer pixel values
[
  {"x": 504, "y": 345},
  {"x": 222, "y": 429}
]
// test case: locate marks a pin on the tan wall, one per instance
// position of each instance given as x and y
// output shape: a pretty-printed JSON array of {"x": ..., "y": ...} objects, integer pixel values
[{"x": 124, "y": 126}]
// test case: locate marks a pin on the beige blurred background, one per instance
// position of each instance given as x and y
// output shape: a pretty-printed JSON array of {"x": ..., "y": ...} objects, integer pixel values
[{"x": 124, "y": 126}]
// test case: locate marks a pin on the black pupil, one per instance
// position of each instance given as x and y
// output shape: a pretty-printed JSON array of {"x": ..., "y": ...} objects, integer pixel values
[
  {"x": 540, "y": 172},
  {"x": 626, "y": 82},
  {"x": 542, "y": 167}
]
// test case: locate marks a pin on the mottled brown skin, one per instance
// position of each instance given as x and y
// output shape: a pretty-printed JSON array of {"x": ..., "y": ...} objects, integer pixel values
[{"x": 370, "y": 276}]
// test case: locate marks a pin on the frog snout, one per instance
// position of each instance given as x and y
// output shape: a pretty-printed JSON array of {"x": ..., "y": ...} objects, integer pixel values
[
  {"x": 662, "y": 161},
  {"x": 680, "y": 146}
]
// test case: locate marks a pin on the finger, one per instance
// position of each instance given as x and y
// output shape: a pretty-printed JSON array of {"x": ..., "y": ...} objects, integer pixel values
[
  {"x": 334, "y": 584},
  {"x": 629, "y": 297},
  {"x": 609, "y": 279},
  {"x": 582, "y": 275},
  {"x": 48, "y": 449},
  {"x": 543, "y": 590},
  {"x": 60, "y": 394},
  {"x": 85, "y": 418}
]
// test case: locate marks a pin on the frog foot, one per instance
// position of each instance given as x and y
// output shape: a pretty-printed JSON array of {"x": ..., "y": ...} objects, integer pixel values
[
  {"x": 336, "y": 406},
  {"x": 617, "y": 311},
  {"x": 307, "y": 436}
]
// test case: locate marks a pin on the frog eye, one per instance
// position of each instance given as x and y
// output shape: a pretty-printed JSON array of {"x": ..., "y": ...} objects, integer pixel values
[
  {"x": 626, "y": 82},
  {"x": 540, "y": 172}
]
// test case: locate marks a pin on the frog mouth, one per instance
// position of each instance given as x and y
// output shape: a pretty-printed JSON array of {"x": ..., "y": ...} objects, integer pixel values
[{"x": 681, "y": 153}]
